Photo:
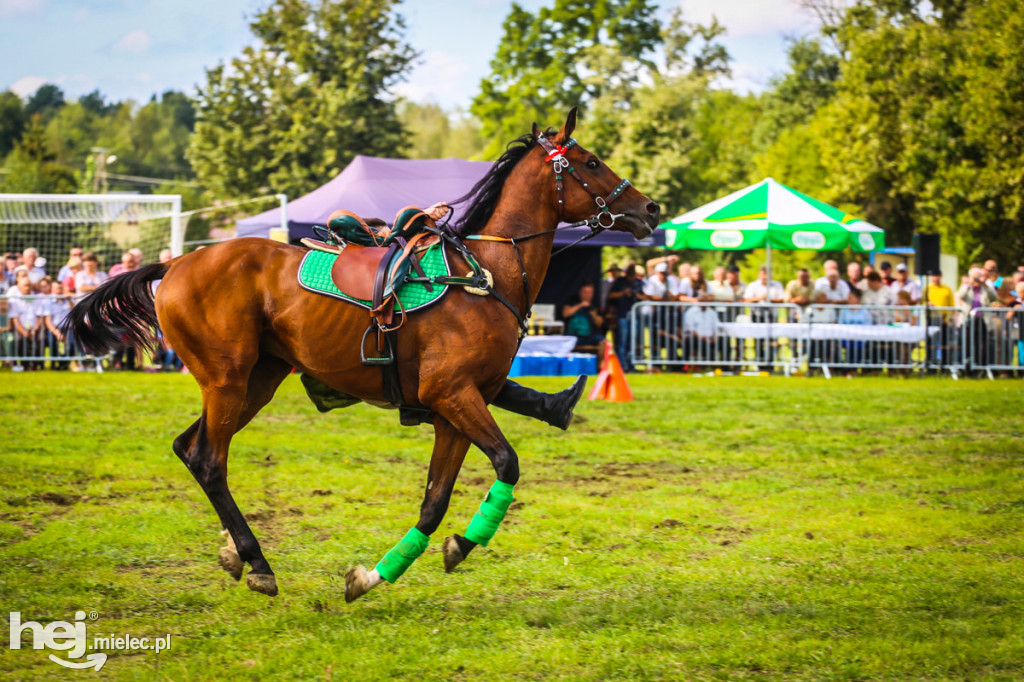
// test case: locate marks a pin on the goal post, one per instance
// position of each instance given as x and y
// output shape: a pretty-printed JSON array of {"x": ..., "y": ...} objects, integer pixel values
[{"x": 107, "y": 224}]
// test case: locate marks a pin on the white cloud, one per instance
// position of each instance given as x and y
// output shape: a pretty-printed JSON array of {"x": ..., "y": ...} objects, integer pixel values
[
  {"x": 440, "y": 77},
  {"x": 27, "y": 85},
  {"x": 745, "y": 18},
  {"x": 9, "y": 8},
  {"x": 135, "y": 42}
]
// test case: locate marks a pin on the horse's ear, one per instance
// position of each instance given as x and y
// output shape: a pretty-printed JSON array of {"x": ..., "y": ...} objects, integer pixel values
[
  {"x": 570, "y": 125},
  {"x": 536, "y": 130}
]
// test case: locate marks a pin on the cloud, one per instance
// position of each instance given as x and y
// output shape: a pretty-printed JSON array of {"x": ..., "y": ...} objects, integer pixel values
[
  {"x": 9, "y": 8},
  {"x": 135, "y": 42},
  {"x": 441, "y": 78},
  {"x": 745, "y": 19},
  {"x": 27, "y": 85}
]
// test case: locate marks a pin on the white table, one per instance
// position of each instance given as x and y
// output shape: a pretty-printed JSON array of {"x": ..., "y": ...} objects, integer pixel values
[
  {"x": 551, "y": 345},
  {"x": 826, "y": 332}
]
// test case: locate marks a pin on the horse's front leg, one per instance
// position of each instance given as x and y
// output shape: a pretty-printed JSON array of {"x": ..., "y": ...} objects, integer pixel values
[
  {"x": 472, "y": 418},
  {"x": 450, "y": 448}
]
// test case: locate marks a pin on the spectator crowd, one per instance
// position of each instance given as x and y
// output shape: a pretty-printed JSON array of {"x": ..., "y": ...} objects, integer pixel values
[
  {"x": 866, "y": 295},
  {"x": 35, "y": 303}
]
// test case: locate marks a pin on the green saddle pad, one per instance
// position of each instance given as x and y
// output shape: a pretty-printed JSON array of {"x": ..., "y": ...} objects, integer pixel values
[{"x": 315, "y": 275}]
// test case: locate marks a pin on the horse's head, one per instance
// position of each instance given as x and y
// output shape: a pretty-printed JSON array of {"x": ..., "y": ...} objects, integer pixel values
[{"x": 587, "y": 189}]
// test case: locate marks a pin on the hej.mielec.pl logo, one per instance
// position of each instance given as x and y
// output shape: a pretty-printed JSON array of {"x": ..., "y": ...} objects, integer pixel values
[{"x": 71, "y": 637}]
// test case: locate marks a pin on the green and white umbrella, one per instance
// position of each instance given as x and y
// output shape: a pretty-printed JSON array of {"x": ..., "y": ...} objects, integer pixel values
[{"x": 771, "y": 215}]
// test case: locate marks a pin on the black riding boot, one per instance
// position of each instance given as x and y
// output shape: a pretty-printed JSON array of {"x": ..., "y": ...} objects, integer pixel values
[{"x": 553, "y": 408}]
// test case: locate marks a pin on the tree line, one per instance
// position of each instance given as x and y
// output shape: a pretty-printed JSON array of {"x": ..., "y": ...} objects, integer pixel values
[{"x": 909, "y": 113}]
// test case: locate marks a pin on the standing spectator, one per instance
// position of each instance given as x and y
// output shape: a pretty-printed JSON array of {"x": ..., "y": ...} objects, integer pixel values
[
  {"x": 974, "y": 295},
  {"x": 836, "y": 290},
  {"x": 90, "y": 276},
  {"x": 868, "y": 269},
  {"x": 904, "y": 283},
  {"x": 684, "y": 271},
  {"x": 992, "y": 274},
  {"x": 166, "y": 256},
  {"x": 58, "y": 307},
  {"x": 800, "y": 291},
  {"x": 854, "y": 314},
  {"x": 20, "y": 273},
  {"x": 29, "y": 258},
  {"x": 940, "y": 296},
  {"x": 626, "y": 291},
  {"x": 73, "y": 267},
  {"x": 28, "y": 315},
  {"x": 854, "y": 278},
  {"x": 657, "y": 287},
  {"x": 583, "y": 320},
  {"x": 885, "y": 270},
  {"x": 877, "y": 294},
  {"x": 66, "y": 270},
  {"x": 127, "y": 264},
  {"x": 670, "y": 262},
  {"x": 10, "y": 265},
  {"x": 827, "y": 267},
  {"x": 694, "y": 287}
]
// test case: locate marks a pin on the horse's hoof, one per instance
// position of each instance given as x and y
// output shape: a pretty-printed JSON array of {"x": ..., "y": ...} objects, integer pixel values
[
  {"x": 357, "y": 583},
  {"x": 452, "y": 554},
  {"x": 230, "y": 562},
  {"x": 262, "y": 583}
]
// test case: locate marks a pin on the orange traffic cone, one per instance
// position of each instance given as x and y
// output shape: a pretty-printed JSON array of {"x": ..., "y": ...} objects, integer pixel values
[{"x": 611, "y": 382}]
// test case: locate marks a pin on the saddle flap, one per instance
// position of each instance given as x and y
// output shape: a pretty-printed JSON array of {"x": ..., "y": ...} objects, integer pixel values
[{"x": 355, "y": 268}]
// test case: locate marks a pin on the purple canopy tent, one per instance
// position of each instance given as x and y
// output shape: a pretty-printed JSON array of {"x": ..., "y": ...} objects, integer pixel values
[{"x": 379, "y": 188}]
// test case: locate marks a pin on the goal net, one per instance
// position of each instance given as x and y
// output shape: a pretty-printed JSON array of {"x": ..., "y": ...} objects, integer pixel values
[{"x": 106, "y": 224}]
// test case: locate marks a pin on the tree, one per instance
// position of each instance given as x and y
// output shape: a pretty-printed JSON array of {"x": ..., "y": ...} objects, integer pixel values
[
  {"x": 46, "y": 101},
  {"x": 12, "y": 121},
  {"x": 560, "y": 57},
  {"x": 436, "y": 134},
  {"x": 926, "y": 131},
  {"x": 297, "y": 107}
]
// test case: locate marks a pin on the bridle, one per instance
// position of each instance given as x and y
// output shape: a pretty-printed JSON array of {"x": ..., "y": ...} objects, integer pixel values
[{"x": 602, "y": 220}]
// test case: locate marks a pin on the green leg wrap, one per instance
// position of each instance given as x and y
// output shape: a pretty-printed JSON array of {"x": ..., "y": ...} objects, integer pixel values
[
  {"x": 492, "y": 511},
  {"x": 401, "y": 556}
]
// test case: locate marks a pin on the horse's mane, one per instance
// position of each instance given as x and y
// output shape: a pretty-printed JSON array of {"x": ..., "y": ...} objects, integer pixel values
[{"x": 483, "y": 198}]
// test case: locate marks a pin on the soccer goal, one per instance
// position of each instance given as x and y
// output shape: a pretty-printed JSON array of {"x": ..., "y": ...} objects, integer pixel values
[{"x": 106, "y": 224}]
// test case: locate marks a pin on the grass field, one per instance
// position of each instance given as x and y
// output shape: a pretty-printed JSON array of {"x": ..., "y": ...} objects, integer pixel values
[{"x": 730, "y": 528}]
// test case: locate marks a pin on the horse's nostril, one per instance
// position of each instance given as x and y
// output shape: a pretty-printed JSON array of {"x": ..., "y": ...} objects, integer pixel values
[{"x": 653, "y": 208}]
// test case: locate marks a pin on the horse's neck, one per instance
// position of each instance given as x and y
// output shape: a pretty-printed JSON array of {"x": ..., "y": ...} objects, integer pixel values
[{"x": 522, "y": 211}]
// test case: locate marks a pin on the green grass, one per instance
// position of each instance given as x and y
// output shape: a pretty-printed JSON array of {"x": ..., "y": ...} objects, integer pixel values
[{"x": 726, "y": 528}]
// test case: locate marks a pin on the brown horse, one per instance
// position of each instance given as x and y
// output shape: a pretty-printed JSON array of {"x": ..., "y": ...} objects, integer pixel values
[{"x": 236, "y": 315}]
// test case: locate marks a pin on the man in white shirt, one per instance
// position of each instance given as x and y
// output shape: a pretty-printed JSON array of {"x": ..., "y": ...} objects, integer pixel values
[
  {"x": 829, "y": 266},
  {"x": 658, "y": 287},
  {"x": 836, "y": 290},
  {"x": 904, "y": 283},
  {"x": 762, "y": 291}
]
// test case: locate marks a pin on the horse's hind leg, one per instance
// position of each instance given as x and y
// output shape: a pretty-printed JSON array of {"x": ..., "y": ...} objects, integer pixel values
[
  {"x": 227, "y": 407},
  {"x": 450, "y": 449}
]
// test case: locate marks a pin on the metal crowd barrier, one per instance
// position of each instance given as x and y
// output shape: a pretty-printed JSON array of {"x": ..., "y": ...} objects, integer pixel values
[
  {"x": 786, "y": 338},
  {"x": 995, "y": 341},
  {"x": 29, "y": 338}
]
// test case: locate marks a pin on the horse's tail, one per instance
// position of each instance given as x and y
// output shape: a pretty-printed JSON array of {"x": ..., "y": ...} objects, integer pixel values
[{"x": 118, "y": 311}]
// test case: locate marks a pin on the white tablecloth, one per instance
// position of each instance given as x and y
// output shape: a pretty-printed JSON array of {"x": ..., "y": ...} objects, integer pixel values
[
  {"x": 825, "y": 332},
  {"x": 552, "y": 345}
]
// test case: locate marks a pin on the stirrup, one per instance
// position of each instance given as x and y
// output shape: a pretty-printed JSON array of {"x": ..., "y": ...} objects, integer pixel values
[{"x": 388, "y": 359}]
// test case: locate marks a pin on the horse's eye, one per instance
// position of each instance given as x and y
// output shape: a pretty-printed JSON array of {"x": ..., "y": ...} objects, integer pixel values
[{"x": 592, "y": 164}]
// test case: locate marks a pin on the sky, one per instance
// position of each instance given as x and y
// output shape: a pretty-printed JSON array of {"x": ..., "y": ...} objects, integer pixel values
[{"x": 132, "y": 49}]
